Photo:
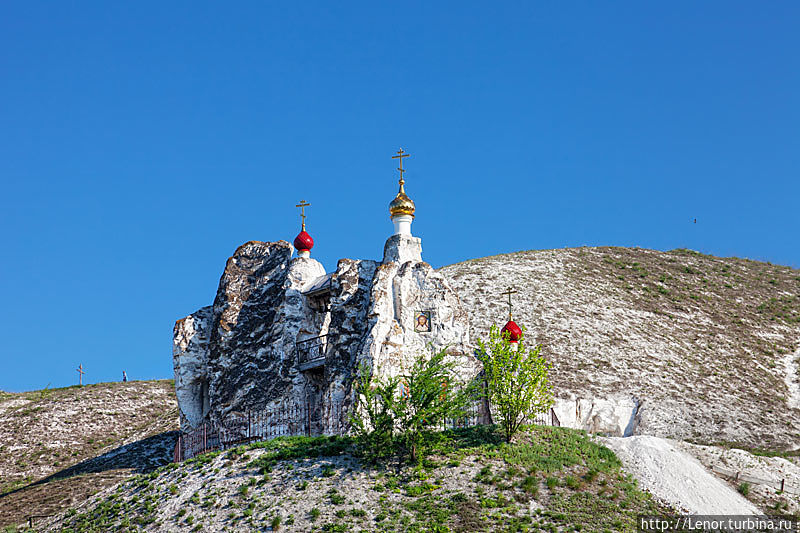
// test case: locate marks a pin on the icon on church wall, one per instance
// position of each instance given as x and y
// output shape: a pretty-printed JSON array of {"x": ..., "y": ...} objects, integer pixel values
[{"x": 422, "y": 321}]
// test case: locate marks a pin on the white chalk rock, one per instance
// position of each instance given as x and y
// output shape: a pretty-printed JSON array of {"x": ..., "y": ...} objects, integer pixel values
[
  {"x": 402, "y": 248},
  {"x": 616, "y": 416},
  {"x": 190, "y": 360}
]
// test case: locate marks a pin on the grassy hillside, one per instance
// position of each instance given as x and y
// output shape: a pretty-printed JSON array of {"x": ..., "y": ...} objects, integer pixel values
[
  {"x": 709, "y": 345},
  {"x": 551, "y": 479},
  {"x": 57, "y": 446}
]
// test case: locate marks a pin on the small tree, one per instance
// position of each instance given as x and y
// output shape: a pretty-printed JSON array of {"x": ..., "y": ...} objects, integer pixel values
[
  {"x": 406, "y": 410},
  {"x": 516, "y": 378},
  {"x": 431, "y": 397},
  {"x": 373, "y": 418}
]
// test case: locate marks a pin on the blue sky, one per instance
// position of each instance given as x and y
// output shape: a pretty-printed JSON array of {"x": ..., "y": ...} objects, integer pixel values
[{"x": 141, "y": 143}]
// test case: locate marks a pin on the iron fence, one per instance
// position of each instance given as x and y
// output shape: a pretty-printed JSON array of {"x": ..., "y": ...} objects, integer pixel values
[
  {"x": 266, "y": 424},
  {"x": 327, "y": 419}
]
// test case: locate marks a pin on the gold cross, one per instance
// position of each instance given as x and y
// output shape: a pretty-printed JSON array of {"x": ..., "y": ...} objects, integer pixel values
[
  {"x": 302, "y": 205},
  {"x": 80, "y": 374},
  {"x": 509, "y": 292},
  {"x": 400, "y": 155}
]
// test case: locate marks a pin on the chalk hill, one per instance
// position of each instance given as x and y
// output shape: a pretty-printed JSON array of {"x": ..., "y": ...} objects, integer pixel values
[
  {"x": 706, "y": 346},
  {"x": 58, "y": 446}
]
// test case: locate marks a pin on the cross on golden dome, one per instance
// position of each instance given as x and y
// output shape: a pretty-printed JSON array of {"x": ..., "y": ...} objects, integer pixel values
[
  {"x": 509, "y": 292},
  {"x": 402, "y": 204},
  {"x": 302, "y": 205},
  {"x": 400, "y": 155}
]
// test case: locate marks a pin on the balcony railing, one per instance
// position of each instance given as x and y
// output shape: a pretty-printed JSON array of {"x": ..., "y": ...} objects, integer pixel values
[{"x": 311, "y": 352}]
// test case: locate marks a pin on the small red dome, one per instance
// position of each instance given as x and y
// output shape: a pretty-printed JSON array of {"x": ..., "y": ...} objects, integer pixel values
[
  {"x": 303, "y": 242},
  {"x": 513, "y": 330}
]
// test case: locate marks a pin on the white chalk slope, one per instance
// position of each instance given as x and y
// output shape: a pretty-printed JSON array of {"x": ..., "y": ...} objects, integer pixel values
[{"x": 676, "y": 477}]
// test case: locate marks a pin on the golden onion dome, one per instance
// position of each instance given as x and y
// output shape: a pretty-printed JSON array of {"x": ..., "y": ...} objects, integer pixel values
[{"x": 402, "y": 204}]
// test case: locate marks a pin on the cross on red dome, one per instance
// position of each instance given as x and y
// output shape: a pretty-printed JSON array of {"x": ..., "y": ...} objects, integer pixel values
[{"x": 303, "y": 242}]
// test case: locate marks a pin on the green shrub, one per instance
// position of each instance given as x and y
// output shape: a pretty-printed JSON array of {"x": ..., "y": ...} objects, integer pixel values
[
  {"x": 517, "y": 380},
  {"x": 336, "y": 498},
  {"x": 744, "y": 489},
  {"x": 530, "y": 485},
  {"x": 388, "y": 418},
  {"x": 430, "y": 398}
]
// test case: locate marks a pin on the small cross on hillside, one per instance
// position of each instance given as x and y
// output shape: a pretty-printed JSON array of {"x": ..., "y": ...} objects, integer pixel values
[
  {"x": 80, "y": 374},
  {"x": 509, "y": 292}
]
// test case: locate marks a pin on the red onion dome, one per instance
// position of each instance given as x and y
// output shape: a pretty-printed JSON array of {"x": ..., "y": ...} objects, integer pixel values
[
  {"x": 513, "y": 330},
  {"x": 303, "y": 242}
]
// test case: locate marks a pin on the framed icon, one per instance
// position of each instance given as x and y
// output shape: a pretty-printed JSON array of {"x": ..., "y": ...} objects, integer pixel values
[{"x": 422, "y": 321}]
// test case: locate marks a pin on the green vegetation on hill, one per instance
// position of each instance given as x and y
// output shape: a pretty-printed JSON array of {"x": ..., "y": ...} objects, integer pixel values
[{"x": 549, "y": 479}]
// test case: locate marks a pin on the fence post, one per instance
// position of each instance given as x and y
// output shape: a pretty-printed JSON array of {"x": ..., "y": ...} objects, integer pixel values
[{"x": 783, "y": 484}]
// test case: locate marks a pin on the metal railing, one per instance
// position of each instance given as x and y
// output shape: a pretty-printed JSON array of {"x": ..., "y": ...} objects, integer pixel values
[
  {"x": 327, "y": 419},
  {"x": 266, "y": 424},
  {"x": 311, "y": 352}
]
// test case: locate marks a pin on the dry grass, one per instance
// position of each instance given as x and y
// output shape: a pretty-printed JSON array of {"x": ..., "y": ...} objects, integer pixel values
[{"x": 57, "y": 446}]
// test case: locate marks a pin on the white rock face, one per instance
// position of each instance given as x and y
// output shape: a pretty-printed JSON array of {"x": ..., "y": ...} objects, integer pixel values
[
  {"x": 617, "y": 416},
  {"x": 402, "y": 248},
  {"x": 400, "y": 293},
  {"x": 190, "y": 359}
]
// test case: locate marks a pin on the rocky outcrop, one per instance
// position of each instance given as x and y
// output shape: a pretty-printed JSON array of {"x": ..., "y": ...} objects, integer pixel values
[
  {"x": 190, "y": 360},
  {"x": 250, "y": 351},
  {"x": 349, "y": 307},
  {"x": 413, "y": 310},
  {"x": 239, "y": 354},
  {"x": 246, "y": 367},
  {"x": 617, "y": 416}
]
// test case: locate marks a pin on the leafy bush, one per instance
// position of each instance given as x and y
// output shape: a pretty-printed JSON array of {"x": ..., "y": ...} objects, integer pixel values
[
  {"x": 430, "y": 399},
  {"x": 373, "y": 419},
  {"x": 387, "y": 419},
  {"x": 516, "y": 379}
]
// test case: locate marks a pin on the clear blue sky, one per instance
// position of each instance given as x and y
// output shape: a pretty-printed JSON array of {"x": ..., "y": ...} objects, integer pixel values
[{"x": 142, "y": 142}]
